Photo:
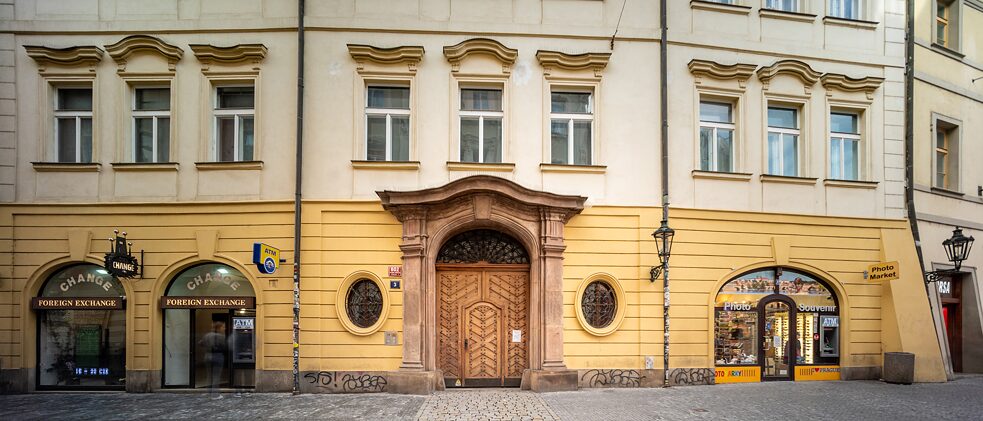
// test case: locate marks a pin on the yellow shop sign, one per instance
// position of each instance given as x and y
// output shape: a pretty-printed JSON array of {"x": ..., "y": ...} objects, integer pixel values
[
  {"x": 817, "y": 372},
  {"x": 887, "y": 271},
  {"x": 738, "y": 374}
]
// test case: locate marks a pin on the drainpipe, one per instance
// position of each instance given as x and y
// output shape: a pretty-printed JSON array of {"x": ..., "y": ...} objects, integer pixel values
[
  {"x": 909, "y": 157},
  {"x": 664, "y": 110},
  {"x": 298, "y": 192}
]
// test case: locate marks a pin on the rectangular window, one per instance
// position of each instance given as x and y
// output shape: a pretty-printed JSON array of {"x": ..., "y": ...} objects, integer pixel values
[
  {"x": 234, "y": 114},
  {"x": 73, "y": 125},
  {"x": 846, "y": 9},
  {"x": 716, "y": 136},
  {"x": 481, "y": 125},
  {"x": 783, "y": 5},
  {"x": 571, "y": 128},
  {"x": 783, "y": 141},
  {"x": 151, "y": 124},
  {"x": 387, "y": 123},
  {"x": 844, "y": 146},
  {"x": 946, "y": 156},
  {"x": 942, "y": 22}
]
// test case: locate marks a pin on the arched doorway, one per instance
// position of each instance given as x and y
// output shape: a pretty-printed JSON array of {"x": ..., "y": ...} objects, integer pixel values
[
  {"x": 776, "y": 324},
  {"x": 81, "y": 330},
  {"x": 209, "y": 329},
  {"x": 483, "y": 309}
]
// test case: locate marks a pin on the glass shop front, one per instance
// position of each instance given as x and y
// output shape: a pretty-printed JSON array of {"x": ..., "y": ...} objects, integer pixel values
[
  {"x": 776, "y": 324},
  {"x": 81, "y": 330}
]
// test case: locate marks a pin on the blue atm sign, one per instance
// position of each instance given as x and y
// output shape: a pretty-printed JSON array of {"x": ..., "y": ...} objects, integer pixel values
[{"x": 266, "y": 257}]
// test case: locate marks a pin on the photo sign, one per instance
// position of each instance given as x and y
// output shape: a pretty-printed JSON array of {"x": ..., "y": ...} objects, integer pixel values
[
  {"x": 887, "y": 271},
  {"x": 266, "y": 258}
]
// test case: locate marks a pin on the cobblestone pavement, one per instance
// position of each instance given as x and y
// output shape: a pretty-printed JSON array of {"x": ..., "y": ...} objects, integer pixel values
[{"x": 961, "y": 399}]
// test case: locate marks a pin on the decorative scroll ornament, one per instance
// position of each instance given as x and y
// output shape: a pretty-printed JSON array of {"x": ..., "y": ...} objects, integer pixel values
[
  {"x": 599, "y": 304},
  {"x": 364, "y": 303},
  {"x": 845, "y": 83},
  {"x": 705, "y": 68},
  {"x": 86, "y": 55},
  {"x": 210, "y": 54},
  {"x": 796, "y": 68},
  {"x": 126, "y": 47},
  {"x": 555, "y": 59},
  {"x": 457, "y": 53},
  {"x": 483, "y": 245},
  {"x": 411, "y": 55}
]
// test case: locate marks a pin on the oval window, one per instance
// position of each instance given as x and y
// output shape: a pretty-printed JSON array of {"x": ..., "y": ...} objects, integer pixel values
[
  {"x": 599, "y": 304},
  {"x": 364, "y": 303}
]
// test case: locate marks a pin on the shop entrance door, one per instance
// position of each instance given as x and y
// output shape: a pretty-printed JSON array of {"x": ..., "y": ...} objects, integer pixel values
[
  {"x": 224, "y": 348},
  {"x": 777, "y": 353}
]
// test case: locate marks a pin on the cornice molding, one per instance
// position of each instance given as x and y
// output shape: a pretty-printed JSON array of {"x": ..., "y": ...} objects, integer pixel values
[
  {"x": 85, "y": 55},
  {"x": 867, "y": 85},
  {"x": 457, "y": 53},
  {"x": 409, "y": 54},
  {"x": 796, "y": 68},
  {"x": 126, "y": 47},
  {"x": 210, "y": 54},
  {"x": 705, "y": 68},
  {"x": 555, "y": 59}
]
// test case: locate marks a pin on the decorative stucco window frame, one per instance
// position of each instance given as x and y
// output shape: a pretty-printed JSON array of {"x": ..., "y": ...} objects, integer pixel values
[
  {"x": 621, "y": 304},
  {"x": 238, "y": 65},
  {"x": 132, "y": 79},
  {"x": 728, "y": 84},
  {"x": 808, "y": 78},
  {"x": 375, "y": 66},
  {"x": 64, "y": 67},
  {"x": 844, "y": 93},
  {"x": 573, "y": 73},
  {"x": 341, "y": 303},
  {"x": 458, "y": 56}
]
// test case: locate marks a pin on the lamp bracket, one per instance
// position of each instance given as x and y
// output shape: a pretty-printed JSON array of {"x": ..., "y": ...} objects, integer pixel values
[
  {"x": 654, "y": 273},
  {"x": 938, "y": 275}
]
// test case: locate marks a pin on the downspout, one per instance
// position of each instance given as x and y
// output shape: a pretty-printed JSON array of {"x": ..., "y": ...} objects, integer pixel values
[
  {"x": 909, "y": 157},
  {"x": 298, "y": 195},
  {"x": 664, "y": 136}
]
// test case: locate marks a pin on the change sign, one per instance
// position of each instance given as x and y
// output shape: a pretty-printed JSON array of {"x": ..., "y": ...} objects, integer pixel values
[{"x": 887, "y": 271}]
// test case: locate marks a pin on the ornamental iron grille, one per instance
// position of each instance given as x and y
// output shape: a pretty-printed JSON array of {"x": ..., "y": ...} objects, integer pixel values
[
  {"x": 599, "y": 304},
  {"x": 483, "y": 245},
  {"x": 364, "y": 303}
]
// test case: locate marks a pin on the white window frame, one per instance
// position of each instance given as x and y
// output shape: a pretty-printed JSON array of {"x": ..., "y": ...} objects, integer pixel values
[
  {"x": 571, "y": 118},
  {"x": 732, "y": 126},
  {"x": 155, "y": 114},
  {"x": 796, "y": 5},
  {"x": 388, "y": 112},
  {"x": 238, "y": 113},
  {"x": 78, "y": 116},
  {"x": 843, "y": 138},
  {"x": 481, "y": 123},
  {"x": 782, "y": 132},
  {"x": 857, "y": 9},
  {"x": 953, "y": 129}
]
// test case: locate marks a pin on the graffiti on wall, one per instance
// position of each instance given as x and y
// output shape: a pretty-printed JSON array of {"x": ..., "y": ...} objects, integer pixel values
[
  {"x": 322, "y": 378},
  {"x": 611, "y": 378},
  {"x": 347, "y": 382},
  {"x": 691, "y": 376}
]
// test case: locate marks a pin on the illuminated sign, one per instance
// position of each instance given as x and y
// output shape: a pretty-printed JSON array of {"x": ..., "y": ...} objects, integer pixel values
[
  {"x": 243, "y": 323},
  {"x": 266, "y": 257},
  {"x": 737, "y": 307},
  {"x": 207, "y": 302},
  {"x": 945, "y": 287},
  {"x": 808, "y": 308},
  {"x": 77, "y": 303},
  {"x": 882, "y": 271}
]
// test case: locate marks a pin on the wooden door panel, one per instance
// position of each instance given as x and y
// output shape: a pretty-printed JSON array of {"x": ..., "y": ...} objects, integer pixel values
[
  {"x": 484, "y": 335},
  {"x": 510, "y": 291},
  {"x": 455, "y": 289}
]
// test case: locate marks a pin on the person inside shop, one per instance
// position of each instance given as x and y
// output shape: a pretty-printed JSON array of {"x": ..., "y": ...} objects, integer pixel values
[{"x": 215, "y": 346}]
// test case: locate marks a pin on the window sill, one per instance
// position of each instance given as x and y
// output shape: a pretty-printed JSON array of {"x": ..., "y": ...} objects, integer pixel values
[
  {"x": 781, "y": 14},
  {"x": 480, "y": 166},
  {"x": 144, "y": 166},
  {"x": 720, "y": 7},
  {"x": 231, "y": 165},
  {"x": 566, "y": 168},
  {"x": 855, "y": 184},
  {"x": 788, "y": 179},
  {"x": 947, "y": 192},
  {"x": 852, "y": 23},
  {"x": 948, "y": 51},
  {"x": 66, "y": 167},
  {"x": 720, "y": 175},
  {"x": 386, "y": 165}
]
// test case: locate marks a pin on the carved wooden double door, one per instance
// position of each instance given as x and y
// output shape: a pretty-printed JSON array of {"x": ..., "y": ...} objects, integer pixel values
[{"x": 483, "y": 322}]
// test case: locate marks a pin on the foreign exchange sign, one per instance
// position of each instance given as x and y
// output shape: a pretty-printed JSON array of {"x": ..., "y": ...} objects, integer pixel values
[
  {"x": 77, "y": 303},
  {"x": 207, "y": 302}
]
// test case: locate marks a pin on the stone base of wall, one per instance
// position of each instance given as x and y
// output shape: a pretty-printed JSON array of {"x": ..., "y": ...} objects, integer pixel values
[
  {"x": 142, "y": 381},
  {"x": 348, "y": 381},
  {"x": 14, "y": 380},
  {"x": 629, "y": 377},
  {"x": 276, "y": 381},
  {"x": 860, "y": 373}
]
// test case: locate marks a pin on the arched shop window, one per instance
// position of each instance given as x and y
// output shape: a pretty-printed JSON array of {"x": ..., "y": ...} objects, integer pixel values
[
  {"x": 776, "y": 317},
  {"x": 81, "y": 330},
  {"x": 209, "y": 328}
]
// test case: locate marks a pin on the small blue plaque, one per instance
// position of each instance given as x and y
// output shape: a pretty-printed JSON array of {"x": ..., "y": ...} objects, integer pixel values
[{"x": 393, "y": 284}]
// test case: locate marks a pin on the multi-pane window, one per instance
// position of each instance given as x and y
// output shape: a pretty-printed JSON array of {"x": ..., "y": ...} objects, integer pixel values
[
  {"x": 73, "y": 124},
  {"x": 481, "y": 125},
  {"x": 234, "y": 115},
  {"x": 942, "y": 22},
  {"x": 784, "y": 5},
  {"x": 387, "y": 123},
  {"x": 783, "y": 141},
  {"x": 946, "y": 156},
  {"x": 846, "y": 9},
  {"x": 716, "y": 136},
  {"x": 844, "y": 146},
  {"x": 151, "y": 124},
  {"x": 571, "y": 121}
]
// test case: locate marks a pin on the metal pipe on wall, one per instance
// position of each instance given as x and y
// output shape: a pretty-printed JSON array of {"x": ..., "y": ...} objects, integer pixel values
[
  {"x": 664, "y": 141},
  {"x": 298, "y": 194}
]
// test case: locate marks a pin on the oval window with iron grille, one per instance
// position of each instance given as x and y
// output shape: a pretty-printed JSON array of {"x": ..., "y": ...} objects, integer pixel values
[
  {"x": 599, "y": 304},
  {"x": 363, "y": 303}
]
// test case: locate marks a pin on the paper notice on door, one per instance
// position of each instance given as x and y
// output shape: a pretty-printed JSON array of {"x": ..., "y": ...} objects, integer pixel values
[
  {"x": 778, "y": 341},
  {"x": 516, "y": 336}
]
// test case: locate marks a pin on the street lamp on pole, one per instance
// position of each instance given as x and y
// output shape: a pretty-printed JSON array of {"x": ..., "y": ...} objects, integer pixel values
[
  {"x": 957, "y": 250},
  {"x": 663, "y": 243}
]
